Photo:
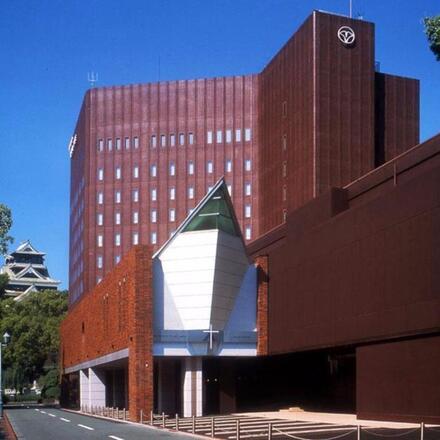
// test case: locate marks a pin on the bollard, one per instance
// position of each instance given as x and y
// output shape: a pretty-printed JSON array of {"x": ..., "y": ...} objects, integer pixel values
[
  {"x": 422, "y": 431},
  {"x": 238, "y": 430},
  {"x": 117, "y": 413},
  {"x": 193, "y": 424},
  {"x": 163, "y": 420},
  {"x": 124, "y": 414},
  {"x": 269, "y": 431},
  {"x": 177, "y": 422},
  {"x": 151, "y": 418},
  {"x": 358, "y": 432},
  {"x": 113, "y": 413},
  {"x": 212, "y": 427},
  {"x": 142, "y": 417}
]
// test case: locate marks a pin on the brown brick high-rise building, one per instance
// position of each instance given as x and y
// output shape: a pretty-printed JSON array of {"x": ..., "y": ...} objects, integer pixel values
[{"x": 288, "y": 222}]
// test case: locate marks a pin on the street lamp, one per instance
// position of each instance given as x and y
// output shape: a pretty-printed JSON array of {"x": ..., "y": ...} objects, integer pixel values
[{"x": 4, "y": 343}]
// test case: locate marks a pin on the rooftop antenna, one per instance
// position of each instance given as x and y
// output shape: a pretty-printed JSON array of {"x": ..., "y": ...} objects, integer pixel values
[
  {"x": 92, "y": 78},
  {"x": 158, "y": 68},
  {"x": 351, "y": 8}
]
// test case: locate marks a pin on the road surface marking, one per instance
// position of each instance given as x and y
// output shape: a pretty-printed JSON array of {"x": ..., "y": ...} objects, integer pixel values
[
  {"x": 36, "y": 409},
  {"x": 86, "y": 427},
  {"x": 43, "y": 412},
  {"x": 52, "y": 415},
  {"x": 64, "y": 420},
  {"x": 116, "y": 438}
]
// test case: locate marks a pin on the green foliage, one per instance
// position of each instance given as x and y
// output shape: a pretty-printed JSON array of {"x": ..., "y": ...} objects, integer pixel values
[
  {"x": 432, "y": 30},
  {"x": 34, "y": 328},
  {"x": 49, "y": 384},
  {"x": 5, "y": 225},
  {"x": 3, "y": 283}
]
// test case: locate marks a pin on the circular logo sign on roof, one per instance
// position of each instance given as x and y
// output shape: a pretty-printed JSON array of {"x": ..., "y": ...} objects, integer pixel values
[{"x": 346, "y": 35}]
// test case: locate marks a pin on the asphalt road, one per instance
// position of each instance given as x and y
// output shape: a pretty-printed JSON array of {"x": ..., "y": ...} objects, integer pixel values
[{"x": 55, "y": 424}]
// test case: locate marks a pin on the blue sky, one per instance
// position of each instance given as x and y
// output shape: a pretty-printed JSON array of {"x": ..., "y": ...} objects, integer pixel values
[{"x": 47, "y": 48}]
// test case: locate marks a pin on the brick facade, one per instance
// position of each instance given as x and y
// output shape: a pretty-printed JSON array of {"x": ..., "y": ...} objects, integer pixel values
[
  {"x": 117, "y": 314},
  {"x": 262, "y": 303}
]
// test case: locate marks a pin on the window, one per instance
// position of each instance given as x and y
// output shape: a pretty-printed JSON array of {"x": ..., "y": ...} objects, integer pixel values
[
  {"x": 127, "y": 143},
  {"x": 284, "y": 142},
  {"x": 209, "y": 188},
  {"x": 172, "y": 169},
  {"x": 181, "y": 139},
  {"x": 153, "y": 216},
  {"x": 153, "y": 142},
  {"x": 172, "y": 193},
  {"x": 209, "y": 167},
  {"x": 284, "y": 168},
  {"x": 117, "y": 196},
  {"x": 219, "y": 137},
  {"x": 100, "y": 219},
  {"x": 191, "y": 167},
  {"x": 191, "y": 192},
  {"x": 228, "y": 166},
  {"x": 284, "y": 215},
  {"x": 101, "y": 174},
  {"x": 172, "y": 140},
  {"x": 172, "y": 215},
  {"x": 100, "y": 145},
  {"x": 118, "y": 173},
  {"x": 247, "y": 211},
  {"x": 153, "y": 238},
  {"x": 230, "y": 190},
  {"x": 190, "y": 138},
  {"x": 117, "y": 239},
  {"x": 228, "y": 136},
  {"x": 117, "y": 259},
  {"x": 100, "y": 198},
  {"x": 135, "y": 195},
  {"x": 99, "y": 261},
  {"x": 153, "y": 170},
  {"x": 247, "y": 165},
  {"x": 247, "y": 134},
  {"x": 284, "y": 106},
  {"x": 247, "y": 189},
  {"x": 135, "y": 238},
  {"x": 136, "y": 172},
  {"x": 135, "y": 218},
  {"x": 98, "y": 280},
  {"x": 238, "y": 135},
  {"x": 284, "y": 193},
  {"x": 136, "y": 142},
  {"x": 118, "y": 143},
  {"x": 172, "y": 233},
  {"x": 209, "y": 137},
  {"x": 190, "y": 210},
  {"x": 154, "y": 194},
  {"x": 109, "y": 144},
  {"x": 163, "y": 140},
  {"x": 100, "y": 240},
  {"x": 248, "y": 232},
  {"x": 117, "y": 218}
]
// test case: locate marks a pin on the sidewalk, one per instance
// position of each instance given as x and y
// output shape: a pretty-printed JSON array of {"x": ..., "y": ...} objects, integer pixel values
[{"x": 339, "y": 419}]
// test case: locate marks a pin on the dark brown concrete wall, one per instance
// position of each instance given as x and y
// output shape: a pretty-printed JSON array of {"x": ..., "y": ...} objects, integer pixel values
[
  {"x": 396, "y": 115},
  {"x": 399, "y": 381},
  {"x": 342, "y": 275}
]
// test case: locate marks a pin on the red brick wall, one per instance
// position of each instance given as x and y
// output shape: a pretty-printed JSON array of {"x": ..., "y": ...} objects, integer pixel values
[
  {"x": 117, "y": 314},
  {"x": 262, "y": 303}
]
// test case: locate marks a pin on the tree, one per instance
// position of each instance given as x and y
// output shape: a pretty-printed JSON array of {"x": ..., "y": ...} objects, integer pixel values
[
  {"x": 4, "y": 279},
  {"x": 34, "y": 328},
  {"x": 432, "y": 30},
  {"x": 5, "y": 225}
]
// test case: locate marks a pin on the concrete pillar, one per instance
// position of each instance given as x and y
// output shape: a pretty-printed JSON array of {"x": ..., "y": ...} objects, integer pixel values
[
  {"x": 96, "y": 387},
  {"x": 192, "y": 386},
  {"x": 84, "y": 396}
]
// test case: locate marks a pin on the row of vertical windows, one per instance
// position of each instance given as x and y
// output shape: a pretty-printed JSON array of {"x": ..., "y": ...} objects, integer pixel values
[
  {"x": 172, "y": 169},
  {"x": 228, "y": 136},
  {"x": 153, "y": 194},
  {"x": 172, "y": 139},
  {"x": 153, "y": 240},
  {"x": 134, "y": 142}
]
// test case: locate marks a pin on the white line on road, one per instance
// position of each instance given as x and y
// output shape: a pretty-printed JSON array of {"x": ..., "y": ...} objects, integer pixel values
[
  {"x": 64, "y": 420},
  {"x": 36, "y": 409},
  {"x": 86, "y": 427},
  {"x": 52, "y": 415},
  {"x": 116, "y": 438},
  {"x": 43, "y": 412}
]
